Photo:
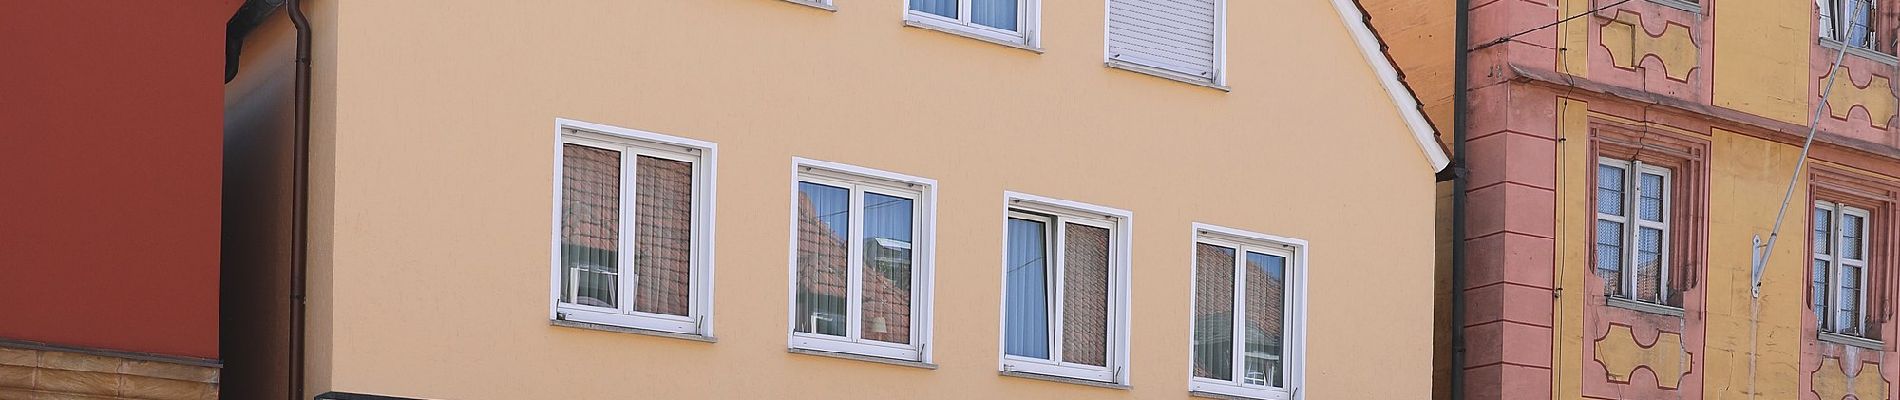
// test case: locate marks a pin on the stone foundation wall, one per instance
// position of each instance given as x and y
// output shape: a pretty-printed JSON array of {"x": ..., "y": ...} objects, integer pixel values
[{"x": 38, "y": 374}]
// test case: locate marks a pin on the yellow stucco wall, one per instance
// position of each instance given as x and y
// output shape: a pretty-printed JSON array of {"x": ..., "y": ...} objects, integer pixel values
[
  {"x": 1758, "y": 69},
  {"x": 433, "y": 169},
  {"x": 1748, "y": 177}
]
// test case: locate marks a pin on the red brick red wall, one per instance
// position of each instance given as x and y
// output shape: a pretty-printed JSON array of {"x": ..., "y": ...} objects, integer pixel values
[{"x": 111, "y": 130}]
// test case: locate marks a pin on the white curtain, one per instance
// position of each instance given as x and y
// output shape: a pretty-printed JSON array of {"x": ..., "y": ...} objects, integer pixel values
[
  {"x": 999, "y": 14},
  {"x": 1026, "y": 325}
]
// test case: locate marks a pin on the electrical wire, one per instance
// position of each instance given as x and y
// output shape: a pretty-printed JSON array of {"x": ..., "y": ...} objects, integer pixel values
[{"x": 1527, "y": 31}]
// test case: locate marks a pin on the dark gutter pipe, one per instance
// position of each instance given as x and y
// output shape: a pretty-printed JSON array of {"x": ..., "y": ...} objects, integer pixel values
[
  {"x": 1461, "y": 113},
  {"x": 299, "y": 199}
]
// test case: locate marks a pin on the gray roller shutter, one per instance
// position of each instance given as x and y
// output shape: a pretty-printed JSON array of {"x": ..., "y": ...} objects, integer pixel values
[{"x": 1174, "y": 35}]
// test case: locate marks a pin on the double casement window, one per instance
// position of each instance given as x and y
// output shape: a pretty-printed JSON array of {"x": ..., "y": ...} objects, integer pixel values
[
  {"x": 1838, "y": 282},
  {"x": 1632, "y": 235},
  {"x": 631, "y": 244},
  {"x": 1007, "y": 21},
  {"x": 1180, "y": 39},
  {"x": 1248, "y": 314},
  {"x": 1065, "y": 308},
  {"x": 1849, "y": 21},
  {"x": 861, "y": 261}
]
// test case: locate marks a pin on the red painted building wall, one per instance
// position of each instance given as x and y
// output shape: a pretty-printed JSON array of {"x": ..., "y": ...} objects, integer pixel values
[{"x": 111, "y": 130}]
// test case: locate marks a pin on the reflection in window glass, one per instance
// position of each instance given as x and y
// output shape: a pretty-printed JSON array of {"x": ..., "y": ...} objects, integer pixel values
[
  {"x": 887, "y": 262},
  {"x": 663, "y": 242},
  {"x": 824, "y": 273},
  {"x": 1266, "y": 312},
  {"x": 590, "y": 226},
  {"x": 1213, "y": 311}
]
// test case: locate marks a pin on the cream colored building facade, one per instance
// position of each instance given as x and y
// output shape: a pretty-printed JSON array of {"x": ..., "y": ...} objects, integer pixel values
[{"x": 437, "y": 151}]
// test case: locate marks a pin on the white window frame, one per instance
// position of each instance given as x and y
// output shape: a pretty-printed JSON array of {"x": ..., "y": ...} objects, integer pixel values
[
  {"x": 1633, "y": 224},
  {"x": 633, "y": 143},
  {"x": 862, "y": 180},
  {"x": 1831, "y": 322},
  {"x": 1293, "y": 346},
  {"x": 1028, "y": 24},
  {"x": 1056, "y": 213},
  {"x": 1218, "y": 81},
  {"x": 818, "y": 4}
]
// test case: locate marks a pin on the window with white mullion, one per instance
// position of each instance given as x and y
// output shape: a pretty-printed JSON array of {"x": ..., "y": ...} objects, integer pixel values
[
  {"x": 1840, "y": 269},
  {"x": 1632, "y": 235},
  {"x": 1004, "y": 20},
  {"x": 1241, "y": 343},
  {"x": 1062, "y": 296},
  {"x": 858, "y": 273},
  {"x": 630, "y": 244}
]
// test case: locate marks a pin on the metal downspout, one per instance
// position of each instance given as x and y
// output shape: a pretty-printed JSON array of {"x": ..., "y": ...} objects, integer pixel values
[
  {"x": 1461, "y": 110},
  {"x": 299, "y": 199}
]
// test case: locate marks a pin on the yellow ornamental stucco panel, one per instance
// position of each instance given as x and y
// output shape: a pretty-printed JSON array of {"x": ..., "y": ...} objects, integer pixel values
[
  {"x": 1621, "y": 355},
  {"x": 1876, "y": 98},
  {"x": 1761, "y": 57},
  {"x": 1831, "y": 382},
  {"x": 1629, "y": 44}
]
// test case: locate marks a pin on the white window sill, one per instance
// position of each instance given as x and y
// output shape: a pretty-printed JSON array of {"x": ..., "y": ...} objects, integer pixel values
[
  {"x": 1198, "y": 387},
  {"x": 1224, "y": 396},
  {"x": 1147, "y": 70},
  {"x": 1064, "y": 379},
  {"x": 1869, "y": 54},
  {"x": 861, "y": 357},
  {"x": 818, "y": 4},
  {"x": 954, "y": 29},
  {"x": 1642, "y": 307},
  {"x": 638, "y": 320},
  {"x": 1850, "y": 340},
  {"x": 637, "y": 331},
  {"x": 1689, "y": 6}
]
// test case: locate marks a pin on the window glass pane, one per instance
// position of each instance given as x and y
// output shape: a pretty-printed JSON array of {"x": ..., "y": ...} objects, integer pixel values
[
  {"x": 999, "y": 14},
  {"x": 1609, "y": 190},
  {"x": 1851, "y": 241},
  {"x": 1823, "y": 231},
  {"x": 663, "y": 242},
  {"x": 1026, "y": 324},
  {"x": 1649, "y": 271},
  {"x": 1849, "y": 321},
  {"x": 1817, "y": 292},
  {"x": 1085, "y": 290},
  {"x": 1266, "y": 307},
  {"x": 1610, "y": 256},
  {"x": 590, "y": 226},
  {"x": 1652, "y": 197},
  {"x": 1213, "y": 311},
  {"x": 824, "y": 278},
  {"x": 887, "y": 261},
  {"x": 945, "y": 8}
]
